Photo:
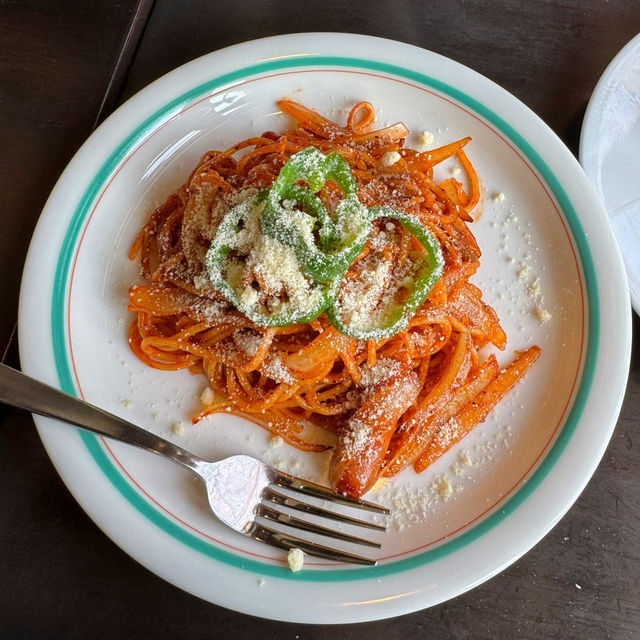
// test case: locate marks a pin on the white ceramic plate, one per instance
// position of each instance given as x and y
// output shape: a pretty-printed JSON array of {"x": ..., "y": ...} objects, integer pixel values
[
  {"x": 547, "y": 246},
  {"x": 610, "y": 153}
]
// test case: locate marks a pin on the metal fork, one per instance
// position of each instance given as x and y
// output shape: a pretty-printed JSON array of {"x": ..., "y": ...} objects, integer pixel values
[{"x": 241, "y": 490}]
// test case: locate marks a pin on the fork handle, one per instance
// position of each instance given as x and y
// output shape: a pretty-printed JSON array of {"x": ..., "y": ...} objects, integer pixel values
[{"x": 24, "y": 392}]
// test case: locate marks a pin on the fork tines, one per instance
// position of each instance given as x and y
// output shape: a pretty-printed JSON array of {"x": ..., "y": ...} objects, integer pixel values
[
  {"x": 284, "y": 541},
  {"x": 311, "y": 489},
  {"x": 283, "y": 518},
  {"x": 267, "y": 511},
  {"x": 276, "y": 497}
]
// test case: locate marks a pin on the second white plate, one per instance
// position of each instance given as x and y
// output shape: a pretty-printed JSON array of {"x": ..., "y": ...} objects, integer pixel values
[{"x": 610, "y": 153}]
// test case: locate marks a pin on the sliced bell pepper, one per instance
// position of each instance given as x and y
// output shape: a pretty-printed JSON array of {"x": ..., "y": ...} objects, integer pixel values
[
  {"x": 395, "y": 315},
  {"x": 340, "y": 235},
  {"x": 230, "y": 273}
]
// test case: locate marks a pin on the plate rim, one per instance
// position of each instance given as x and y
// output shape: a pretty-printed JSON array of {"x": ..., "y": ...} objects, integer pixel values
[{"x": 345, "y": 38}]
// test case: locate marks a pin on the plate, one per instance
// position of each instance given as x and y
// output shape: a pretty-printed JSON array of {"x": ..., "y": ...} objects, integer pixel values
[
  {"x": 550, "y": 267},
  {"x": 610, "y": 153}
]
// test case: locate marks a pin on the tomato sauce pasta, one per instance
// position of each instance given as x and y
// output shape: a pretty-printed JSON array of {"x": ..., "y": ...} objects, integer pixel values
[{"x": 395, "y": 385}]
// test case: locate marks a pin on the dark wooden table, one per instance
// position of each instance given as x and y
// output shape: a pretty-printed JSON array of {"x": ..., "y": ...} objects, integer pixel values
[{"x": 65, "y": 66}]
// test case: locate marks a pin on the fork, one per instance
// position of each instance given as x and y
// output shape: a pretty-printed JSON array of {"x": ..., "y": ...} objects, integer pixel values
[{"x": 243, "y": 492}]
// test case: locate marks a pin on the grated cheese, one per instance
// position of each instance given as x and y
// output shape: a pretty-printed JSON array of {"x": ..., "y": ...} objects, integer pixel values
[
  {"x": 442, "y": 486},
  {"x": 357, "y": 437},
  {"x": 279, "y": 268},
  {"x": 542, "y": 314},
  {"x": 274, "y": 264},
  {"x": 249, "y": 296},
  {"x": 248, "y": 341},
  {"x": 178, "y": 428},
  {"x": 358, "y": 298},
  {"x": 295, "y": 559},
  {"x": 275, "y": 368},
  {"x": 533, "y": 288},
  {"x": 383, "y": 370},
  {"x": 464, "y": 458},
  {"x": 200, "y": 282},
  {"x": 207, "y": 396},
  {"x": 457, "y": 469},
  {"x": 425, "y": 138},
  {"x": 390, "y": 158}
]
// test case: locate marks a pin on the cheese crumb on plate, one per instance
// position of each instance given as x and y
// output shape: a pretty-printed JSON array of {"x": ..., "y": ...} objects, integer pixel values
[
  {"x": 295, "y": 559},
  {"x": 178, "y": 428},
  {"x": 425, "y": 138}
]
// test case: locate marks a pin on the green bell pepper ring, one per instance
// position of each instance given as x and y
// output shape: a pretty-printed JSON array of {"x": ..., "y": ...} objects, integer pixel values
[
  {"x": 236, "y": 233},
  {"x": 339, "y": 238},
  {"x": 315, "y": 169},
  {"x": 395, "y": 316}
]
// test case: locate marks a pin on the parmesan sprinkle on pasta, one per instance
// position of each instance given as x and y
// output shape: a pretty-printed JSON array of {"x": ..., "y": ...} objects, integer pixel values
[{"x": 352, "y": 324}]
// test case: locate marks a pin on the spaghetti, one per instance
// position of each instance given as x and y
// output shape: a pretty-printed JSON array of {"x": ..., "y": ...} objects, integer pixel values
[{"x": 396, "y": 398}]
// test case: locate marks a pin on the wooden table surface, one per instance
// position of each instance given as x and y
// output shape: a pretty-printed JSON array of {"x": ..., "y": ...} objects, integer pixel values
[{"x": 64, "y": 66}]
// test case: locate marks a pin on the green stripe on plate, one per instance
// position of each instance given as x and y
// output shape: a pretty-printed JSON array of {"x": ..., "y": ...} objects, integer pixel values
[{"x": 196, "y": 543}]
